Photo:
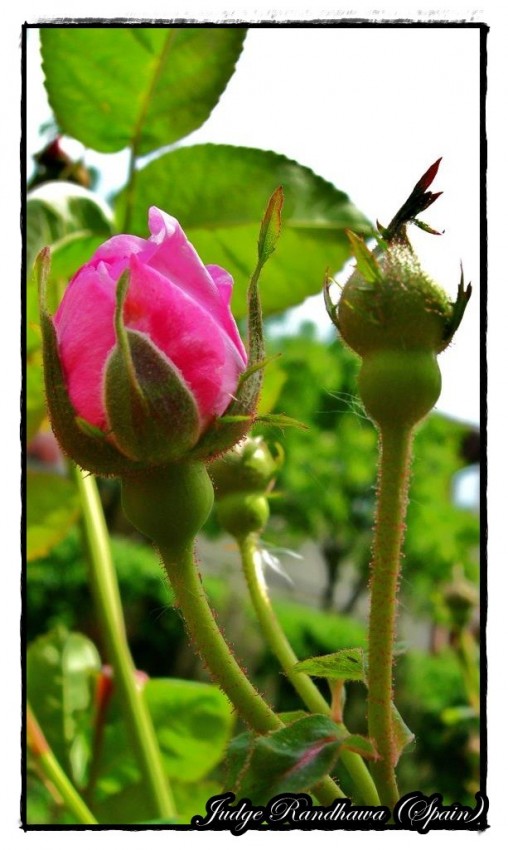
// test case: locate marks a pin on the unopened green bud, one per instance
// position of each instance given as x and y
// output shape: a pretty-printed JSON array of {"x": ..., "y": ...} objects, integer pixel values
[
  {"x": 242, "y": 479},
  {"x": 401, "y": 310},
  {"x": 397, "y": 319},
  {"x": 249, "y": 467},
  {"x": 243, "y": 514}
]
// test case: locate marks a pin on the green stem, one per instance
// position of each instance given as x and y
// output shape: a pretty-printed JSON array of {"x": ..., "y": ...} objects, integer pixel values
[
  {"x": 281, "y": 648},
  {"x": 51, "y": 769},
  {"x": 109, "y": 610},
  {"x": 393, "y": 484},
  {"x": 217, "y": 656},
  {"x": 206, "y": 635}
]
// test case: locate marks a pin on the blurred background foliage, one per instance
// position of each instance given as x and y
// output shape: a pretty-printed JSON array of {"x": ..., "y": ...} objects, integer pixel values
[{"x": 324, "y": 498}]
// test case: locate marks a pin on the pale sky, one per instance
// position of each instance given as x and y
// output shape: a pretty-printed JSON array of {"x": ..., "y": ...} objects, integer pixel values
[{"x": 369, "y": 109}]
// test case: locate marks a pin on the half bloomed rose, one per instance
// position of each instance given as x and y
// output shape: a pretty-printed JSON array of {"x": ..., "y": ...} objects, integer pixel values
[{"x": 151, "y": 362}]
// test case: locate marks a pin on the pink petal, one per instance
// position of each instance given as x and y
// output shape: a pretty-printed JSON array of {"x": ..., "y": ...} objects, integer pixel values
[
  {"x": 117, "y": 251},
  {"x": 189, "y": 336},
  {"x": 84, "y": 324},
  {"x": 178, "y": 260},
  {"x": 224, "y": 283},
  {"x": 117, "y": 247},
  {"x": 182, "y": 306}
]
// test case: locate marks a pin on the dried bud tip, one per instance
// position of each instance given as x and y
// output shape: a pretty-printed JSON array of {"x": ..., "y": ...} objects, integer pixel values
[{"x": 425, "y": 181}]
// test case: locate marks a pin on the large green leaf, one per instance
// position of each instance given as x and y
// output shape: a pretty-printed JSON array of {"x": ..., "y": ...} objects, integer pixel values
[
  {"x": 131, "y": 804},
  {"x": 61, "y": 668},
  {"x": 52, "y": 507},
  {"x": 193, "y": 723},
  {"x": 115, "y": 87},
  {"x": 219, "y": 194}
]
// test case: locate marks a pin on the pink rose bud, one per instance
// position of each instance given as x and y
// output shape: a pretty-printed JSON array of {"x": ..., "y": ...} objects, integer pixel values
[{"x": 143, "y": 355}]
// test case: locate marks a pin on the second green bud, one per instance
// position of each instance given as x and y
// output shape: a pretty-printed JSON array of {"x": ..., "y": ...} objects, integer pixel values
[
  {"x": 242, "y": 479},
  {"x": 243, "y": 514}
]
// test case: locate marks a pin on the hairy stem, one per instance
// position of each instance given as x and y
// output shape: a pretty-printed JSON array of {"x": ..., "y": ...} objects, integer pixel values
[
  {"x": 217, "y": 656},
  {"x": 213, "y": 649},
  {"x": 385, "y": 568},
  {"x": 283, "y": 651},
  {"x": 109, "y": 610}
]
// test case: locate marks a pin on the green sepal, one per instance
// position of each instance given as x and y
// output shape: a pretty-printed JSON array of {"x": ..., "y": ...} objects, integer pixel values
[
  {"x": 89, "y": 451},
  {"x": 270, "y": 226},
  {"x": 381, "y": 236},
  {"x": 256, "y": 368},
  {"x": 152, "y": 414},
  {"x": 277, "y": 420},
  {"x": 280, "y": 420},
  {"x": 331, "y": 308},
  {"x": 402, "y": 734},
  {"x": 366, "y": 262},
  {"x": 425, "y": 227},
  {"x": 458, "y": 308},
  {"x": 90, "y": 430},
  {"x": 237, "y": 420},
  {"x": 227, "y": 420}
]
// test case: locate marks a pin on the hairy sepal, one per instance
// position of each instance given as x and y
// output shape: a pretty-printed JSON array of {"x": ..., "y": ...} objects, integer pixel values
[
  {"x": 151, "y": 412},
  {"x": 89, "y": 448},
  {"x": 238, "y": 418},
  {"x": 152, "y": 415}
]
